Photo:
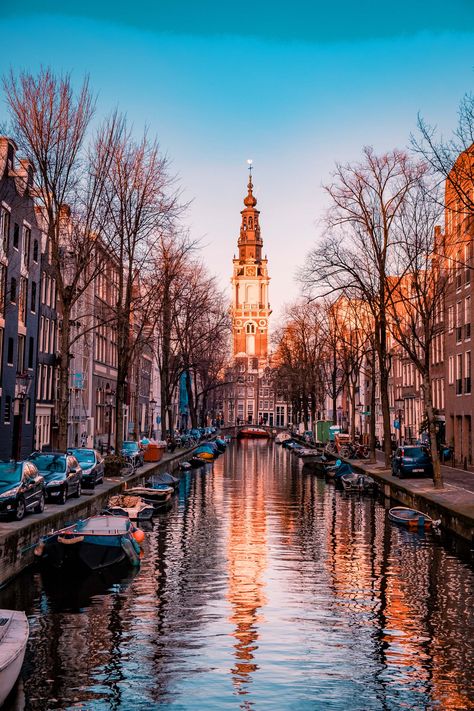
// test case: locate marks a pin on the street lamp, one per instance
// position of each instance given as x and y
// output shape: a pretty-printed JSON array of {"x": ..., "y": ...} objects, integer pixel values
[
  {"x": 22, "y": 385},
  {"x": 152, "y": 405},
  {"x": 109, "y": 400},
  {"x": 399, "y": 406}
]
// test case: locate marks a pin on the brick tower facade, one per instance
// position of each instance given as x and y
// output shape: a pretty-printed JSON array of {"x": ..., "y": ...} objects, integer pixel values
[{"x": 250, "y": 280}]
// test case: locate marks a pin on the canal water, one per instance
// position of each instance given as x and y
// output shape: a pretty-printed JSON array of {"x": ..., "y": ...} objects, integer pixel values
[{"x": 262, "y": 588}]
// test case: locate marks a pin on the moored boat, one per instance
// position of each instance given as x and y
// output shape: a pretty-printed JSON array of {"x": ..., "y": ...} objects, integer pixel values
[
  {"x": 254, "y": 432},
  {"x": 165, "y": 478},
  {"x": 185, "y": 466},
  {"x": 92, "y": 543},
  {"x": 132, "y": 506},
  {"x": 14, "y": 632},
  {"x": 353, "y": 481},
  {"x": 410, "y": 517},
  {"x": 157, "y": 495},
  {"x": 282, "y": 437}
]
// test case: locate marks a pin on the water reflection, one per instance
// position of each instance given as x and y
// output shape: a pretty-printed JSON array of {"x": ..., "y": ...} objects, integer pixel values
[{"x": 262, "y": 587}]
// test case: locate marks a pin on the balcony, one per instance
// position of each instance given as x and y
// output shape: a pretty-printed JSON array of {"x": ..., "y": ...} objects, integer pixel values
[{"x": 459, "y": 386}]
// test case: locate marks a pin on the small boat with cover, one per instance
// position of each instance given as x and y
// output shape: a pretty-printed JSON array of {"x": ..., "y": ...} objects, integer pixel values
[
  {"x": 411, "y": 518},
  {"x": 165, "y": 478},
  {"x": 14, "y": 633},
  {"x": 157, "y": 494},
  {"x": 132, "y": 506},
  {"x": 354, "y": 481},
  {"x": 92, "y": 543}
]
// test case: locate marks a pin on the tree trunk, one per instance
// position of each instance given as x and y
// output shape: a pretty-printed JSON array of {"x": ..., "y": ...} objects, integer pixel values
[
  {"x": 372, "y": 409},
  {"x": 437, "y": 475},
  {"x": 63, "y": 380},
  {"x": 352, "y": 389},
  {"x": 191, "y": 403}
]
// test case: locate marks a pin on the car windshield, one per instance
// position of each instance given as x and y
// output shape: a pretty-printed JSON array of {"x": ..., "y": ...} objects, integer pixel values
[
  {"x": 52, "y": 463},
  {"x": 85, "y": 456},
  {"x": 415, "y": 452},
  {"x": 10, "y": 473},
  {"x": 130, "y": 446}
]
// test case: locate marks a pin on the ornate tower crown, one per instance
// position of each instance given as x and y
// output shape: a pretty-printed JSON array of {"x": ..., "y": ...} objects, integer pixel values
[{"x": 250, "y": 308}]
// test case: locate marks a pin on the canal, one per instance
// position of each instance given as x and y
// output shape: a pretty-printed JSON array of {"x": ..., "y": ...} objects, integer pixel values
[{"x": 262, "y": 588}]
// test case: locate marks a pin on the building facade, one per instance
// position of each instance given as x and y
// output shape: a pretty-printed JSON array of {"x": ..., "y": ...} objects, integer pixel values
[{"x": 20, "y": 256}]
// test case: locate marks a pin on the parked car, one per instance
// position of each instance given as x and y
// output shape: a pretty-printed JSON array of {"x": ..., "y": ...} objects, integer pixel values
[
  {"x": 132, "y": 451},
  {"x": 92, "y": 465},
  {"x": 62, "y": 475},
  {"x": 412, "y": 461},
  {"x": 22, "y": 489}
]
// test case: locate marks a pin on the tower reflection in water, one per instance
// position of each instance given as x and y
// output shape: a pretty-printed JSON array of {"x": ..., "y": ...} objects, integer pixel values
[{"x": 247, "y": 560}]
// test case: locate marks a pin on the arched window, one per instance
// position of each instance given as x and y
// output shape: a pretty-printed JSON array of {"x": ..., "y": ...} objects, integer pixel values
[
  {"x": 250, "y": 328},
  {"x": 250, "y": 223}
]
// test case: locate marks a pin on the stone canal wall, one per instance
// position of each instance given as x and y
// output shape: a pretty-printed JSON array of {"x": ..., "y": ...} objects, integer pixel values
[{"x": 19, "y": 538}]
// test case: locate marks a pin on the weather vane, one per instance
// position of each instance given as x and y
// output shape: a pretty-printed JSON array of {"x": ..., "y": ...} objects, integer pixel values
[{"x": 250, "y": 161}]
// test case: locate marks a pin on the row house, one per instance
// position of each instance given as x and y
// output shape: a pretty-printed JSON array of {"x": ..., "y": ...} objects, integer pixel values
[{"x": 20, "y": 256}]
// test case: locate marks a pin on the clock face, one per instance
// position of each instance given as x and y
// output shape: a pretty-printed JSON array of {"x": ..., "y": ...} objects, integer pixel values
[
  {"x": 251, "y": 271},
  {"x": 238, "y": 322},
  {"x": 262, "y": 323}
]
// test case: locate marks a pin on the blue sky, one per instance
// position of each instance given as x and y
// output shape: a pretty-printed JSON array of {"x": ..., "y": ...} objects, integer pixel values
[{"x": 219, "y": 83}]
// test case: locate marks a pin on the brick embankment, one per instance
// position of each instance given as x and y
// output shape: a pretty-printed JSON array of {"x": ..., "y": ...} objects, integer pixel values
[{"x": 19, "y": 538}]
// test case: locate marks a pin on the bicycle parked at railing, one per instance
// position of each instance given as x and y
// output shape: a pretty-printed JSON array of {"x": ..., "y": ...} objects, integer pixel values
[{"x": 354, "y": 450}]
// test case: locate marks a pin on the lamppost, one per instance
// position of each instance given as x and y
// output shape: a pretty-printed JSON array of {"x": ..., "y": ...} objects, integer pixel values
[
  {"x": 399, "y": 406},
  {"x": 152, "y": 405},
  {"x": 22, "y": 385},
  {"x": 109, "y": 399}
]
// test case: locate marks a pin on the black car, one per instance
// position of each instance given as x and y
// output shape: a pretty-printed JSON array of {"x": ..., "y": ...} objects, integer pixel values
[
  {"x": 21, "y": 489},
  {"x": 132, "y": 451},
  {"x": 412, "y": 461},
  {"x": 62, "y": 474},
  {"x": 92, "y": 465}
]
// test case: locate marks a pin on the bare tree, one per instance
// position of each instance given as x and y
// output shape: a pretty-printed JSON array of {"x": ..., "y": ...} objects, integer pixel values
[
  {"x": 356, "y": 253},
  {"x": 50, "y": 122},
  {"x": 141, "y": 205},
  {"x": 417, "y": 302}
]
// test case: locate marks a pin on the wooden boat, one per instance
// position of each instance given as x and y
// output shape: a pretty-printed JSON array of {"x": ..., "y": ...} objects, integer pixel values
[
  {"x": 166, "y": 478},
  {"x": 132, "y": 506},
  {"x": 253, "y": 432},
  {"x": 410, "y": 517},
  {"x": 156, "y": 495},
  {"x": 92, "y": 543},
  {"x": 354, "y": 481},
  {"x": 14, "y": 633}
]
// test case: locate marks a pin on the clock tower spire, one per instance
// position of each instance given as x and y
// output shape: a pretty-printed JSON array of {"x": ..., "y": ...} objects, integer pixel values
[{"x": 250, "y": 280}]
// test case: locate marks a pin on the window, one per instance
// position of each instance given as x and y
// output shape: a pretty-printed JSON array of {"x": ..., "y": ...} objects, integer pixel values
[
  {"x": 3, "y": 276},
  {"x": 21, "y": 355},
  {"x": 31, "y": 350},
  {"x": 458, "y": 321},
  {"x": 450, "y": 319},
  {"x": 467, "y": 317},
  {"x": 13, "y": 290},
  {"x": 4, "y": 227},
  {"x": 27, "y": 411},
  {"x": 10, "y": 352},
  {"x": 33, "y": 297},
  {"x": 250, "y": 328},
  {"x": 1, "y": 353},
  {"x": 451, "y": 370},
  {"x": 467, "y": 372},
  {"x": 35, "y": 250},
  {"x": 16, "y": 235},
  {"x": 8, "y": 410},
  {"x": 459, "y": 374},
  {"x": 26, "y": 245},
  {"x": 22, "y": 301}
]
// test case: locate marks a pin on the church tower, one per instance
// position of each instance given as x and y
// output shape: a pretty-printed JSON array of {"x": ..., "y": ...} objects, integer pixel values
[{"x": 250, "y": 280}]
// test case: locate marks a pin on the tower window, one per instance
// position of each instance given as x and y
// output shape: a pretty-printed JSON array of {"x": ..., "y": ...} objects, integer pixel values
[{"x": 250, "y": 328}]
